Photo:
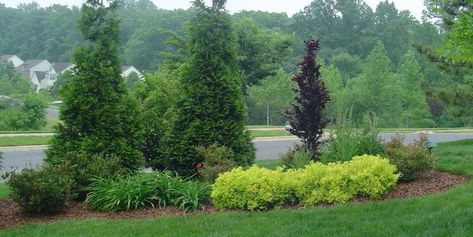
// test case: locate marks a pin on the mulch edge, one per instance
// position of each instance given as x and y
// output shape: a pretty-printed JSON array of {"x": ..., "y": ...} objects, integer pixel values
[{"x": 428, "y": 183}]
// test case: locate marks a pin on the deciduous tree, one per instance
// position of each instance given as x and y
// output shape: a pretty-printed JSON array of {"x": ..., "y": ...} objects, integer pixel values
[{"x": 307, "y": 115}]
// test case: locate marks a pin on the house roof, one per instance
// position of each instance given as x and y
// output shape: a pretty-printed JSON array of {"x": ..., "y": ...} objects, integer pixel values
[
  {"x": 6, "y": 57},
  {"x": 28, "y": 64},
  {"x": 126, "y": 67},
  {"x": 61, "y": 66},
  {"x": 40, "y": 75}
]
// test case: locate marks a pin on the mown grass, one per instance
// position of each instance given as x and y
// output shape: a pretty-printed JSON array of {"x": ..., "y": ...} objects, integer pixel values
[
  {"x": 24, "y": 141},
  {"x": 270, "y": 164},
  {"x": 44, "y": 140},
  {"x": 4, "y": 191},
  {"x": 50, "y": 124},
  {"x": 269, "y": 133},
  {"x": 446, "y": 214}
]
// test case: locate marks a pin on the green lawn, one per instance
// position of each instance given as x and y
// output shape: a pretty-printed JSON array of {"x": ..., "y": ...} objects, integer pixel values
[
  {"x": 50, "y": 124},
  {"x": 270, "y": 133},
  {"x": 4, "y": 191},
  {"x": 446, "y": 214},
  {"x": 270, "y": 164},
  {"x": 44, "y": 140},
  {"x": 24, "y": 141}
]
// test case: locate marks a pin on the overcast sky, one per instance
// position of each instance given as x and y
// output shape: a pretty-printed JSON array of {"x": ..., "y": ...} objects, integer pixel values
[{"x": 288, "y": 6}]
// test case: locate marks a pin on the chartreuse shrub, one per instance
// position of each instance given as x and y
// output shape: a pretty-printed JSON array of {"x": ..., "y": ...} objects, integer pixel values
[
  {"x": 252, "y": 189},
  {"x": 148, "y": 189},
  {"x": 317, "y": 183}
]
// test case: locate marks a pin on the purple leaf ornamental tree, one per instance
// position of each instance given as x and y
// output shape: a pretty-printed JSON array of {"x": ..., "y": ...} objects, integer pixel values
[{"x": 306, "y": 116}]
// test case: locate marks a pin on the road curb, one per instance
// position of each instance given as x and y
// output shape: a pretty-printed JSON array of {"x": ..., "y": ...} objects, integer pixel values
[
  {"x": 269, "y": 139},
  {"x": 22, "y": 148},
  {"x": 27, "y": 134}
]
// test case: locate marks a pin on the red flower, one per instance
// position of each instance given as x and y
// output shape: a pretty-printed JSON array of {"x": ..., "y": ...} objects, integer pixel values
[{"x": 199, "y": 166}]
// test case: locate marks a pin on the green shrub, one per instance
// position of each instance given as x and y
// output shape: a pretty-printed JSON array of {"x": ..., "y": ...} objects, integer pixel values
[
  {"x": 41, "y": 191},
  {"x": 82, "y": 168},
  {"x": 27, "y": 113},
  {"x": 152, "y": 189},
  {"x": 411, "y": 159},
  {"x": 296, "y": 157},
  {"x": 217, "y": 160},
  {"x": 346, "y": 141},
  {"x": 317, "y": 183}
]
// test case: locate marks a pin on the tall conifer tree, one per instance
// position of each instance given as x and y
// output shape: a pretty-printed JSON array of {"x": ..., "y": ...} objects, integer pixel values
[
  {"x": 211, "y": 110},
  {"x": 98, "y": 115}
]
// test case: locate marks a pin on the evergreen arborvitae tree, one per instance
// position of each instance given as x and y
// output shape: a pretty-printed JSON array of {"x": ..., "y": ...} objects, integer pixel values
[
  {"x": 306, "y": 116},
  {"x": 98, "y": 115},
  {"x": 211, "y": 110}
]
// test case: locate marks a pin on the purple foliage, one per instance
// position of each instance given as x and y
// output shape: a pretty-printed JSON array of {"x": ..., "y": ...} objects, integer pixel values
[{"x": 306, "y": 115}]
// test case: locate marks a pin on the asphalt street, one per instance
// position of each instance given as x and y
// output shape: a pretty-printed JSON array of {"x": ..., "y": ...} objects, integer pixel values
[
  {"x": 53, "y": 113},
  {"x": 266, "y": 149}
]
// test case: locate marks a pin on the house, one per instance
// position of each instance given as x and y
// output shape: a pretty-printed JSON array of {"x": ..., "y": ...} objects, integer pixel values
[
  {"x": 61, "y": 67},
  {"x": 129, "y": 70},
  {"x": 13, "y": 59},
  {"x": 40, "y": 72}
]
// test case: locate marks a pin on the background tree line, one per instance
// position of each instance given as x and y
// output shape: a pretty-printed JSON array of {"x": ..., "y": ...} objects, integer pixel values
[{"x": 369, "y": 60}]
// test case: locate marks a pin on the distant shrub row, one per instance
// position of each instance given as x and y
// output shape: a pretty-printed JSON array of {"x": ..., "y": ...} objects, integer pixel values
[{"x": 259, "y": 188}]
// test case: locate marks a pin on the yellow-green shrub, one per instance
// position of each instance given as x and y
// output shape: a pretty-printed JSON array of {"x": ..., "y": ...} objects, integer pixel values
[
  {"x": 260, "y": 188},
  {"x": 372, "y": 175},
  {"x": 255, "y": 188},
  {"x": 319, "y": 183}
]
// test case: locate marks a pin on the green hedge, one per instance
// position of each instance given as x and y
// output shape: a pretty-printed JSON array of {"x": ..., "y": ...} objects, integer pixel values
[{"x": 260, "y": 188}]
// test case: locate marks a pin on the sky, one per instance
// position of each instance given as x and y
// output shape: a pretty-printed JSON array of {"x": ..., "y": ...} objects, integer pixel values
[{"x": 288, "y": 6}]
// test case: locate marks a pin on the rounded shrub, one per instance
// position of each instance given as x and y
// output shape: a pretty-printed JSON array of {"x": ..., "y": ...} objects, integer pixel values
[
  {"x": 317, "y": 183},
  {"x": 40, "y": 191},
  {"x": 253, "y": 189},
  {"x": 372, "y": 176},
  {"x": 411, "y": 159}
]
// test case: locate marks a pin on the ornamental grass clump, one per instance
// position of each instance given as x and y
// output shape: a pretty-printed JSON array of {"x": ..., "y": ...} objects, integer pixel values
[
  {"x": 315, "y": 184},
  {"x": 156, "y": 189}
]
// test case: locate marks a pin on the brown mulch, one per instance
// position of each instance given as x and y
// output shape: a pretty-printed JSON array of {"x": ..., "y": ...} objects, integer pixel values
[{"x": 428, "y": 183}]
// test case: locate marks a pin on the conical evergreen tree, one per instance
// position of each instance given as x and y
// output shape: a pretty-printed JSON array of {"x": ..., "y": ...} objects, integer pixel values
[
  {"x": 98, "y": 115},
  {"x": 211, "y": 110}
]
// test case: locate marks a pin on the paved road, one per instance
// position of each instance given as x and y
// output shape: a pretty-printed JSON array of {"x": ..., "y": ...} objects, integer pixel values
[
  {"x": 267, "y": 149},
  {"x": 53, "y": 113}
]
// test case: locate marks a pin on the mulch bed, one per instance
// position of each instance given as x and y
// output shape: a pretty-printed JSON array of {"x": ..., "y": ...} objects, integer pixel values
[{"x": 428, "y": 183}]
